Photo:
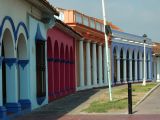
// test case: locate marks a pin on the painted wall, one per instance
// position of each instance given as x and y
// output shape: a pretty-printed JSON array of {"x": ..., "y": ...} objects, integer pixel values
[
  {"x": 61, "y": 63},
  {"x": 23, "y": 30},
  {"x": 33, "y": 24}
]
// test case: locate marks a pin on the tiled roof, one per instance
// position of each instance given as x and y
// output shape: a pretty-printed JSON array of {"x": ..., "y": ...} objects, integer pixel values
[
  {"x": 67, "y": 28},
  {"x": 156, "y": 48}
]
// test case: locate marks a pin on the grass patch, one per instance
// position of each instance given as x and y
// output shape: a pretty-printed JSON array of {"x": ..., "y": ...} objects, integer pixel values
[{"x": 120, "y": 98}]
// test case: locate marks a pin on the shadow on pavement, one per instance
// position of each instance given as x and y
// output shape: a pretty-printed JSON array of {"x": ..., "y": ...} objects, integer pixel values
[{"x": 60, "y": 107}]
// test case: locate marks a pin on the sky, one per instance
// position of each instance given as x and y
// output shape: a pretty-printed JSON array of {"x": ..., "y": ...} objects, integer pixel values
[{"x": 132, "y": 16}]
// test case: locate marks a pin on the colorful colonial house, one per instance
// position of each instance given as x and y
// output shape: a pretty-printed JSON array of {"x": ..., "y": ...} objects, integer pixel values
[
  {"x": 156, "y": 62},
  {"x": 61, "y": 60},
  {"x": 126, "y": 52},
  {"x": 90, "y": 50},
  {"x": 23, "y": 61},
  {"x": 127, "y": 56}
]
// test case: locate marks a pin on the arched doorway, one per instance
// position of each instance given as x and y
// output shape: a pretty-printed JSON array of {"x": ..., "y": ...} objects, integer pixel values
[
  {"x": 9, "y": 87},
  {"x": 121, "y": 65},
  {"x": 56, "y": 69},
  {"x": 21, "y": 70},
  {"x": 127, "y": 65},
  {"x": 115, "y": 64}
]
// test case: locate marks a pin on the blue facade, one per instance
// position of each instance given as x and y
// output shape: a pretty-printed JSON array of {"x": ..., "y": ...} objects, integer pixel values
[{"x": 127, "y": 58}]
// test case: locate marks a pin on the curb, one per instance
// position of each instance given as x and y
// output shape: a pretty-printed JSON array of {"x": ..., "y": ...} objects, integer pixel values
[{"x": 153, "y": 89}]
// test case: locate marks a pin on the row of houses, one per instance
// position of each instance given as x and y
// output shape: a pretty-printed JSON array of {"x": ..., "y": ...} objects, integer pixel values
[{"x": 47, "y": 54}]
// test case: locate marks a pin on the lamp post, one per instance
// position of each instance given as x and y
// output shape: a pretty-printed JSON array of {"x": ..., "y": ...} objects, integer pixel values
[
  {"x": 144, "y": 77},
  {"x": 107, "y": 53}
]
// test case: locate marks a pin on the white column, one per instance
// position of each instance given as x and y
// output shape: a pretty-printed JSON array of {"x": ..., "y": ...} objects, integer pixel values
[
  {"x": 88, "y": 64},
  {"x": 158, "y": 69},
  {"x": 149, "y": 69},
  {"x": 105, "y": 66},
  {"x": 100, "y": 65},
  {"x": 130, "y": 70},
  {"x": 81, "y": 64},
  {"x": 140, "y": 67},
  {"x": 155, "y": 70},
  {"x": 124, "y": 70},
  {"x": 136, "y": 79},
  {"x": 94, "y": 64},
  {"x": 118, "y": 71}
]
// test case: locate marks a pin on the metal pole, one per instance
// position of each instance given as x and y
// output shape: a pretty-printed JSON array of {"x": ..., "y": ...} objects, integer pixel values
[
  {"x": 106, "y": 44},
  {"x": 144, "y": 66},
  {"x": 129, "y": 98}
]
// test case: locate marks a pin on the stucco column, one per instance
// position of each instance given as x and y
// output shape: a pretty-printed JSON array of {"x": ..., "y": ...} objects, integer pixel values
[
  {"x": 105, "y": 66},
  {"x": 100, "y": 65},
  {"x": 88, "y": 64},
  {"x": 136, "y": 79},
  {"x": 158, "y": 69},
  {"x": 118, "y": 71},
  {"x": 81, "y": 64},
  {"x": 94, "y": 64},
  {"x": 140, "y": 68},
  {"x": 130, "y": 70},
  {"x": 124, "y": 70}
]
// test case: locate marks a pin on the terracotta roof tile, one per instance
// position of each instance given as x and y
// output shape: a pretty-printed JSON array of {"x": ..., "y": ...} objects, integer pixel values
[{"x": 156, "y": 48}]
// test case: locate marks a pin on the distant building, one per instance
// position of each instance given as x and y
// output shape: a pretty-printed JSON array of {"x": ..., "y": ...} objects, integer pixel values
[{"x": 156, "y": 62}]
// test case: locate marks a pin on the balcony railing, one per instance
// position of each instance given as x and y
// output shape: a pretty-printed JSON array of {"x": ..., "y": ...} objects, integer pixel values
[{"x": 88, "y": 21}]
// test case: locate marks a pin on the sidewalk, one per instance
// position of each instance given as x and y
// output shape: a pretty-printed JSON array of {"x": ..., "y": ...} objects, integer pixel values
[
  {"x": 68, "y": 107},
  {"x": 151, "y": 105}
]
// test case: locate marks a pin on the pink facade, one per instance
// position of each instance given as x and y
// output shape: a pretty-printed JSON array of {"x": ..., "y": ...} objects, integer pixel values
[{"x": 61, "y": 63}]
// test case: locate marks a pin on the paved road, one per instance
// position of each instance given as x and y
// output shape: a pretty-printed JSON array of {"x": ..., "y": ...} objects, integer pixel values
[
  {"x": 151, "y": 105},
  {"x": 93, "y": 117},
  {"x": 149, "y": 109}
]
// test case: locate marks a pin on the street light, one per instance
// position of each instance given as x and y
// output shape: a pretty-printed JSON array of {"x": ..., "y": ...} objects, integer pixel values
[
  {"x": 144, "y": 78},
  {"x": 106, "y": 44}
]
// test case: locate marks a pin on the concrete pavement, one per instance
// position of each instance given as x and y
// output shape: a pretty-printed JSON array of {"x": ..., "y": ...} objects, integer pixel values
[
  {"x": 151, "y": 104},
  {"x": 62, "y": 109}
]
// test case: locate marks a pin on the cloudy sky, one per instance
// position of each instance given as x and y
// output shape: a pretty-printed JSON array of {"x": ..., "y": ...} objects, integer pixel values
[{"x": 132, "y": 16}]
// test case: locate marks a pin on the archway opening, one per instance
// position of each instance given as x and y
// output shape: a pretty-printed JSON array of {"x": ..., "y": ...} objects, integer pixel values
[
  {"x": 133, "y": 66},
  {"x": 121, "y": 65},
  {"x": 8, "y": 52},
  {"x": 4, "y": 77},
  {"x": 115, "y": 64},
  {"x": 138, "y": 67},
  {"x": 127, "y": 65},
  {"x": 148, "y": 64},
  {"x": 21, "y": 55}
]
